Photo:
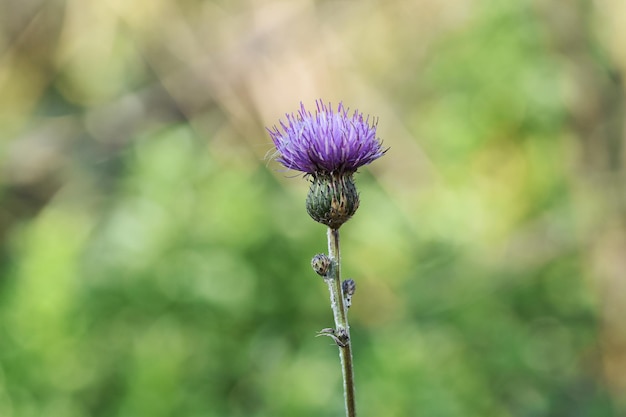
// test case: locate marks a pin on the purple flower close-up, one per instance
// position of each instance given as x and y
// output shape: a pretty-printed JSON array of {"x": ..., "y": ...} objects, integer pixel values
[{"x": 327, "y": 142}]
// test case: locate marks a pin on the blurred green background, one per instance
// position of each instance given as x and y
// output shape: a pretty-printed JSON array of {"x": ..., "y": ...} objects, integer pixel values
[{"x": 153, "y": 262}]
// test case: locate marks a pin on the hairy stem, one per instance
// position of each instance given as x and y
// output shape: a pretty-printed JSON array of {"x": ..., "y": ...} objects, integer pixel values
[{"x": 341, "y": 320}]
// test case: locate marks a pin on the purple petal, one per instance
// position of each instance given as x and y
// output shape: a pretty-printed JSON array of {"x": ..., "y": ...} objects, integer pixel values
[{"x": 328, "y": 141}]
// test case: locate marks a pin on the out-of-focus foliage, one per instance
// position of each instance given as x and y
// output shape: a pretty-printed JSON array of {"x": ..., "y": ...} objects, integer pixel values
[{"x": 154, "y": 263}]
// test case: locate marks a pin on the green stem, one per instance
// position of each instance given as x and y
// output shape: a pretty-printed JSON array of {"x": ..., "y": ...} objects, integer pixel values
[{"x": 341, "y": 320}]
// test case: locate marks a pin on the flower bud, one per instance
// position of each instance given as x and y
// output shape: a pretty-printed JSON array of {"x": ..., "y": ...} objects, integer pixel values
[
  {"x": 348, "y": 287},
  {"x": 321, "y": 264},
  {"x": 332, "y": 199}
]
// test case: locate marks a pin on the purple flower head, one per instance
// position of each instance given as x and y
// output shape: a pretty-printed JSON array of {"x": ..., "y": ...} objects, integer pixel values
[{"x": 327, "y": 142}]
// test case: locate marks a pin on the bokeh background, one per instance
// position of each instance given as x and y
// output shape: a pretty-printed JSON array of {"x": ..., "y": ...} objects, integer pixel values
[{"x": 154, "y": 262}]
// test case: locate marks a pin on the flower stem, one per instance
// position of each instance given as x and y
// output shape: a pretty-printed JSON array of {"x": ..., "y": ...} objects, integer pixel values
[{"x": 341, "y": 320}]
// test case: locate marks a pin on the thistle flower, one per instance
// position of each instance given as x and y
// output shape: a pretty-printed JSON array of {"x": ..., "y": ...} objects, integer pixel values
[
  {"x": 329, "y": 142},
  {"x": 329, "y": 147}
]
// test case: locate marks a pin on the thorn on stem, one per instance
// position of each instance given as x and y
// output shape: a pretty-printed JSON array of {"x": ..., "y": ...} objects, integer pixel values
[{"x": 340, "y": 336}]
